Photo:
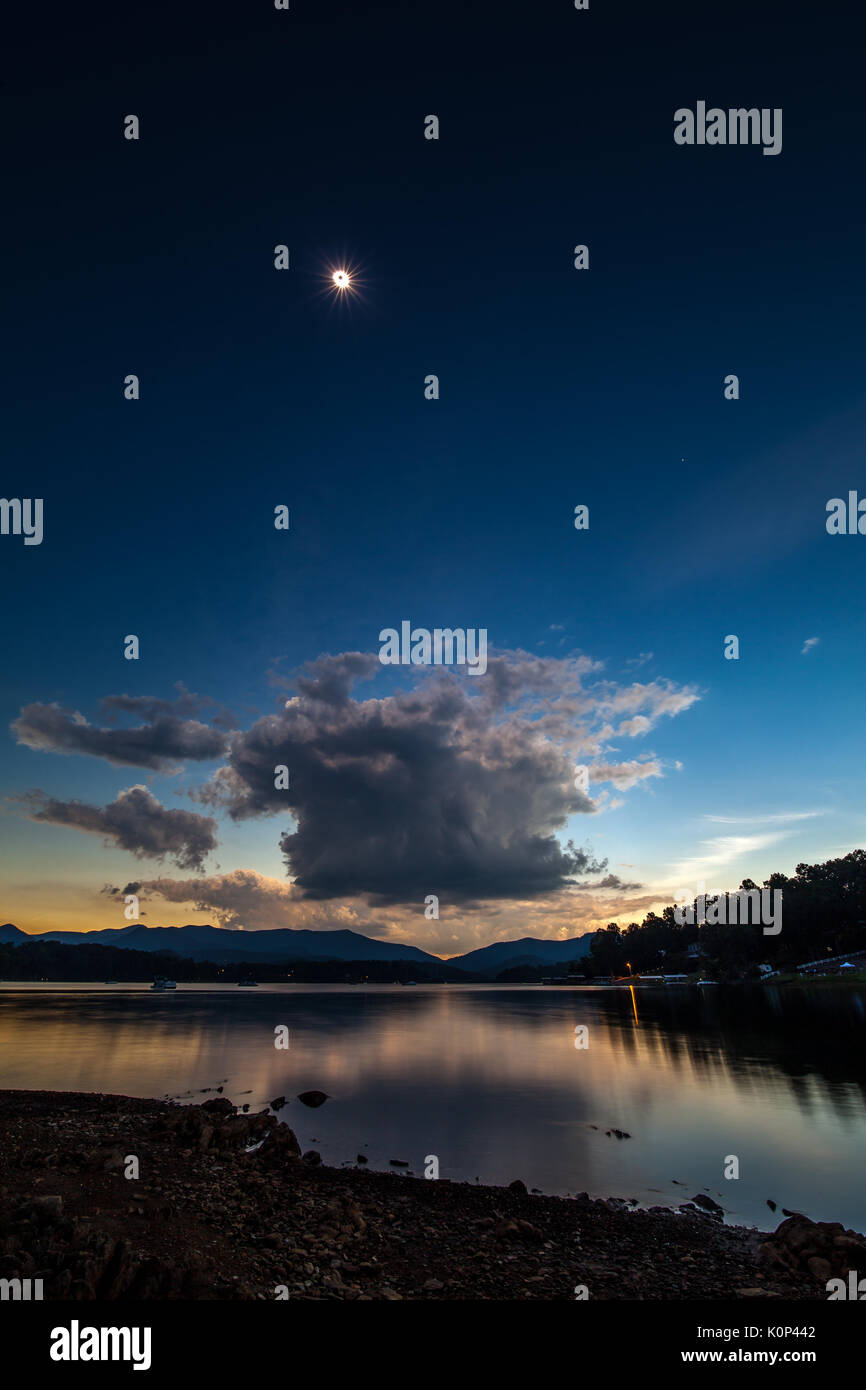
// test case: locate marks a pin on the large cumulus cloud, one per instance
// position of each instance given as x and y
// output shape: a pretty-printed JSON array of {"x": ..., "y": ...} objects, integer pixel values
[{"x": 451, "y": 788}]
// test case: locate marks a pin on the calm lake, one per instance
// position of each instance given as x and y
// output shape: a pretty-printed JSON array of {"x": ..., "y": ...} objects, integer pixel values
[{"x": 489, "y": 1080}]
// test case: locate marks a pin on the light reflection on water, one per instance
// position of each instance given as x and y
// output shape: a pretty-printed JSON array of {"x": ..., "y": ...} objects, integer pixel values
[{"x": 488, "y": 1079}]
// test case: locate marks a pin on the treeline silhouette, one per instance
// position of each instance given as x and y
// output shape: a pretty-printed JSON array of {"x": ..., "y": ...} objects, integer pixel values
[
  {"x": 823, "y": 915},
  {"x": 56, "y": 961}
]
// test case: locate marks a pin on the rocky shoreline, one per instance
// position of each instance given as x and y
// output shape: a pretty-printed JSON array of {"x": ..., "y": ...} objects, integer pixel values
[{"x": 208, "y": 1217}]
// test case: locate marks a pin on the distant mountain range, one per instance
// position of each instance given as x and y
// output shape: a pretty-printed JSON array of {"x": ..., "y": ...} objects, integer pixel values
[
  {"x": 225, "y": 947},
  {"x": 529, "y": 950}
]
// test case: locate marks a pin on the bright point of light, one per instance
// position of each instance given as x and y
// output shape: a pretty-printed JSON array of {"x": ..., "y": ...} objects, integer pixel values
[{"x": 341, "y": 279}]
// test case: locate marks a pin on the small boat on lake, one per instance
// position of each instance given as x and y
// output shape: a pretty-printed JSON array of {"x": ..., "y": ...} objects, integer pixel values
[{"x": 162, "y": 982}]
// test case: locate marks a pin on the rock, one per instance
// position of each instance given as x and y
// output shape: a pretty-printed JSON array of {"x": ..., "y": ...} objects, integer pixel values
[
  {"x": 280, "y": 1143},
  {"x": 278, "y": 1103},
  {"x": 771, "y": 1204},
  {"x": 313, "y": 1158},
  {"x": 47, "y": 1208},
  {"x": 360, "y": 1158},
  {"x": 433, "y": 1286},
  {"x": 529, "y": 1230},
  {"x": 708, "y": 1204},
  {"x": 313, "y": 1098},
  {"x": 219, "y": 1106},
  {"x": 109, "y": 1158},
  {"x": 770, "y": 1254},
  {"x": 849, "y": 1245},
  {"x": 205, "y": 1135},
  {"x": 238, "y": 1130},
  {"x": 356, "y": 1217},
  {"x": 398, "y": 1163},
  {"x": 822, "y": 1249},
  {"x": 518, "y": 1186}
]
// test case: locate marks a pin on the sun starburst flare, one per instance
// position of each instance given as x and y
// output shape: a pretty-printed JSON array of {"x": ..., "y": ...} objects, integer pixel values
[{"x": 341, "y": 280}]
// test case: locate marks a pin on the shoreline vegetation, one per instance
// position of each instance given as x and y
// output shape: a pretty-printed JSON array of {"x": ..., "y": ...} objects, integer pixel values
[
  {"x": 142, "y": 981},
  {"x": 209, "y": 1216},
  {"x": 821, "y": 917},
  {"x": 56, "y": 963}
]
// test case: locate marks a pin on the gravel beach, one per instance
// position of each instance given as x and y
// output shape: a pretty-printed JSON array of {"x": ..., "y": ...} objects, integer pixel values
[{"x": 210, "y": 1217}]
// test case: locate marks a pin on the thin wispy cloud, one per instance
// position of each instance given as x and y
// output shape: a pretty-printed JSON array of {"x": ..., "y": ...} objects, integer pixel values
[
  {"x": 809, "y": 643},
  {"x": 720, "y": 853},
  {"x": 777, "y": 818}
]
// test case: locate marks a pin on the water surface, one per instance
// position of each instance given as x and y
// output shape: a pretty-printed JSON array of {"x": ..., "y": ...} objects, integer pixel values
[{"x": 489, "y": 1080}]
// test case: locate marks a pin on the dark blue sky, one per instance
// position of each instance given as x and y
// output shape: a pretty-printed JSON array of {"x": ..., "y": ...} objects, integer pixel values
[{"x": 558, "y": 387}]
